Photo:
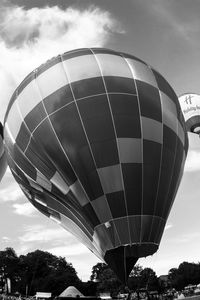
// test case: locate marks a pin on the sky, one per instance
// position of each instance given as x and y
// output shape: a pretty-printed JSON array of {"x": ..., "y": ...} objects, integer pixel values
[{"x": 163, "y": 33}]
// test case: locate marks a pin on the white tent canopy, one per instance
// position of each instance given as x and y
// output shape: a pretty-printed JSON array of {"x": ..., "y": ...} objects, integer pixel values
[{"x": 71, "y": 291}]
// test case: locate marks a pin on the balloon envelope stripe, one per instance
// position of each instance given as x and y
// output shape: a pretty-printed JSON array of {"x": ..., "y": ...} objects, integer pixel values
[
  {"x": 102, "y": 209},
  {"x": 115, "y": 99},
  {"x": 130, "y": 150},
  {"x": 152, "y": 156},
  {"x": 132, "y": 174},
  {"x": 142, "y": 72},
  {"x": 124, "y": 72},
  {"x": 150, "y": 108},
  {"x": 152, "y": 130},
  {"x": 126, "y": 115},
  {"x": 166, "y": 89}
]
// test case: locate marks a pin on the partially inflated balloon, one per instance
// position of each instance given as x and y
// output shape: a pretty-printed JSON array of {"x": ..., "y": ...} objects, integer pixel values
[
  {"x": 190, "y": 104},
  {"x": 3, "y": 161},
  {"x": 96, "y": 139}
]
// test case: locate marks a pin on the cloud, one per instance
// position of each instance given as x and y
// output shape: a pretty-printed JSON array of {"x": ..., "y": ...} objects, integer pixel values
[
  {"x": 186, "y": 238},
  {"x": 23, "y": 249},
  {"x": 39, "y": 233},
  {"x": 5, "y": 239},
  {"x": 193, "y": 161},
  {"x": 59, "y": 242},
  {"x": 30, "y": 37},
  {"x": 161, "y": 264},
  {"x": 10, "y": 190},
  {"x": 72, "y": 250},
  {"x": 168, "y": 226},
  {"x": 24, "y": 209},
  {"x": 82, "y": 258},
  {"x": 37, "y": 26},
  {"x": 170, "y": 14},
  {"x": 11, "y": 193}
]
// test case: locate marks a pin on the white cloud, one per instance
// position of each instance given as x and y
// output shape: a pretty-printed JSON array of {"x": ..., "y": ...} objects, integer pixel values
[
  {"x": 193, "y": 161},
  {"x": 72, "y": 250},
  {"x": 30, "y": 37},
  {"x": 10, "y": 190},
  {"x": 11, "y": 193},
  {"x": 59, "y": 242},
  {"x": 161, "y": 264},
  {"x": 23, "y": 249},
  {"x": 36, "y": 27},
  {"x": 186, "y": 238},
  {"x": 38, "y": 233},
  {"x": 168, "y": 226},
  {"x": 5, "y": 239},
  {"x": 24, "y": 209},
  {"x": 82, "y": 259}
]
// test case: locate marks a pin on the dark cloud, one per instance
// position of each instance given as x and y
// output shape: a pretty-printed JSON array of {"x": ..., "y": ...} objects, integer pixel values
[{"x": 43, "y": 3}]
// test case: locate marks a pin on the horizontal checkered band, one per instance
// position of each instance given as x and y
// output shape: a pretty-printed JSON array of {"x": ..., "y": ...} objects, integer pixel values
[{"x": 97, "y": 138}]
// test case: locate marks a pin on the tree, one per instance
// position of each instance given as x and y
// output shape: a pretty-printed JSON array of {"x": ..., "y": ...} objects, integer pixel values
[
  {"x": 143, "y": 278},
  {"x": 149, "y": 280},
  {"x": 97, "y": 270},
  {"x": 136, "y": 271},
  {"x": 174, "y": 277},
  {"x": 43, "y": 272},
  {"x": 185, "y": 274},
  {"x": 106, "y": 278},
  {"x": 109, "y": 282},
  {"x": 9, "y": 267},
  {"x": 134, "y": 281}
]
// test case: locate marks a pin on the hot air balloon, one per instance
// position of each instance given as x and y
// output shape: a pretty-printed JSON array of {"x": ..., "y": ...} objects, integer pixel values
[
  {"x": 3, "y": 161},
  {"x": 190, "y": 105},
  {"x": 96, "y": 140}
]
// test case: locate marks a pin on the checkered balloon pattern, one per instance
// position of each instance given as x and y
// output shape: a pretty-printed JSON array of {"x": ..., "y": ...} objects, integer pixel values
[{"x": 96, "y": 140}]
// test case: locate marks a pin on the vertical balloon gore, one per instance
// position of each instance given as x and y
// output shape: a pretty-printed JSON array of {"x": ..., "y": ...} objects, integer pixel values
[
  {"x": 3, "y": 161},
  {"x": 122, "y": 259},
  {"x": 1, "y": 130},
  {"x": 97, "y": 141}
]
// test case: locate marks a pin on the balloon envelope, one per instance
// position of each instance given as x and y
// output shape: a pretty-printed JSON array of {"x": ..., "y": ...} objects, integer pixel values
[
  {"x": 190, "y": 105},
  {"x": 96, "y": 139},
  {"x": 3, "y": 161}
]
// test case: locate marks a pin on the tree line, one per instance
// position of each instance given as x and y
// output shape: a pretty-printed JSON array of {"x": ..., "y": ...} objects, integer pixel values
[{"x": 41, "y": 271}]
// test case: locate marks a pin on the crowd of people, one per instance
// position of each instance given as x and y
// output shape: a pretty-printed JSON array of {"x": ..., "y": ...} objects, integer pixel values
[{"x": 188, "y": 292}]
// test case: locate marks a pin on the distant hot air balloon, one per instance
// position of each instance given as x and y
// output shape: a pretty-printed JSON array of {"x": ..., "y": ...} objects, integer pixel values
[
  {"x": 96, "y": 139},
  {"x": 190, "y": 105},
  {"x": 3, "y": 161}
]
